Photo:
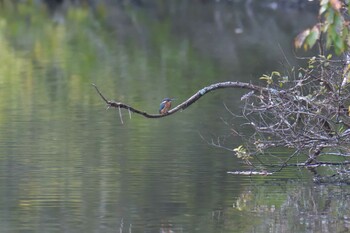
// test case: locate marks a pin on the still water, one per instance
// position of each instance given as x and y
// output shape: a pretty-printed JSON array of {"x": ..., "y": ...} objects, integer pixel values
[{"x": 68, "y": 165}]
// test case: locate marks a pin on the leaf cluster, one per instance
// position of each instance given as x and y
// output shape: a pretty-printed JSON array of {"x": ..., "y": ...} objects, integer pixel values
[{"x": 334, "y": 24}]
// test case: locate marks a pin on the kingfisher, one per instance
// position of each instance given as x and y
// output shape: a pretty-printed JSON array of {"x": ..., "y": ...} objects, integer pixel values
[{"x": 165, "y": 105}]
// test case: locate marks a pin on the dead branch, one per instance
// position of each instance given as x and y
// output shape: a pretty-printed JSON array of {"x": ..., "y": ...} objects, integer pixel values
[
  {"x": 188, "y": 102},
  {"x": 308, "y": 113}
]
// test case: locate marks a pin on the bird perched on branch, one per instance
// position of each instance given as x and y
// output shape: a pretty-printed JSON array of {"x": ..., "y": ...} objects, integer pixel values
[{"x": 165, "y": 105}]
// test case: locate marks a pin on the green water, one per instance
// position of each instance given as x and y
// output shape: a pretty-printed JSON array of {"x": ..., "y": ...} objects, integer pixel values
[{"x": 68, "y": 165}]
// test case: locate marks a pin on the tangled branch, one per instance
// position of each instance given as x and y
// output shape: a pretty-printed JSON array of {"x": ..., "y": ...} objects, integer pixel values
[{"x": 307, "y": 113}]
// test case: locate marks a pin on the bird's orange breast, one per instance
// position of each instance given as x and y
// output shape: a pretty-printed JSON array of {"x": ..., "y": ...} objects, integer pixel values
[{"x": 166, "y": 108}]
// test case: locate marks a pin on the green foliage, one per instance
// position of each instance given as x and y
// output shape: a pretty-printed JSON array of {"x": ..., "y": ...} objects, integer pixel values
[
  {"x": 333, "y": 24},
  {"x": 242, "y": 153},
  {"x": 269, "y": 78},
  {"x": 311, "y": 62}
]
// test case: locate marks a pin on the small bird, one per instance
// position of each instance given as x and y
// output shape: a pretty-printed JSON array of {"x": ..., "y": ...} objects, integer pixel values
[{"x": 165, "y": 105}]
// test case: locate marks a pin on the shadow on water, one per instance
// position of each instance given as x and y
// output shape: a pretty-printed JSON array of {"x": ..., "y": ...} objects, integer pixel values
[{"x": 66, "y": 165}]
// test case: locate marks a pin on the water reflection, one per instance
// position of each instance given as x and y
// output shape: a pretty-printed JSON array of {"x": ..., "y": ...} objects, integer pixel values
[
  {"x": 302, "y": 208},
  {"x": 66, "y": 165}
]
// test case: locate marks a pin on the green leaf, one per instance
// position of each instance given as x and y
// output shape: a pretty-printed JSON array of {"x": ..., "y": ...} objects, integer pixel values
[
  {"x": 313, "y": 37},
  {"x": 267, "y": 78},
  {"x": 324, "y": 7},
  {"x": 338, "y": 21},
  {"x": 276, "y": 73},
  {"x": 329, "y": 40},
  {"x": 339, "y": 45},
  {"x": 330, "y": 16}
]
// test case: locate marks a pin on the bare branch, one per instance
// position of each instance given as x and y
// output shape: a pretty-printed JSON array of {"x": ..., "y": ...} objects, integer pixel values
[{"x": 189, "y": 101}]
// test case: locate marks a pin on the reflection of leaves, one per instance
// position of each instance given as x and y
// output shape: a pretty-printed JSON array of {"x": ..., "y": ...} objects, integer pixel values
[
  {"x": 241, "y": 202},
  {"x": 258, "y": 200},
  {"x": 300, "y": 206}
]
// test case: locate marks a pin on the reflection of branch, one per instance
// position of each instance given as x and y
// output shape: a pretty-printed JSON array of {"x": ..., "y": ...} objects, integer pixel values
[
  {"x": 186, "y": 103},
  {"x": 316, "y": 164},
  {"x": 305, "y": 165},
  {"x": 263, "y": 173}
]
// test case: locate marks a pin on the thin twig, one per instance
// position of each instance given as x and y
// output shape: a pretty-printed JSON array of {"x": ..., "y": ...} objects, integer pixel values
[{"x": 120, "y": 115}]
